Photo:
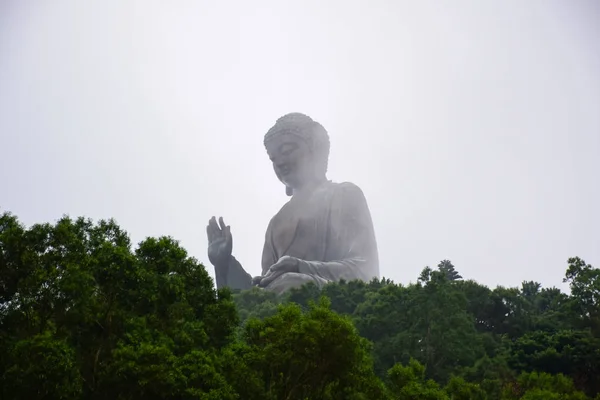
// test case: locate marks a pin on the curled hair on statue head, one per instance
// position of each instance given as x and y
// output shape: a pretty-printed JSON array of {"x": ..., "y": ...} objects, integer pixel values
[{"x": 312, "y": 132}]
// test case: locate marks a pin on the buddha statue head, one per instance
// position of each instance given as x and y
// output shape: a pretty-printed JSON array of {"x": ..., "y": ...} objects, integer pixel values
[{"x": 298, "y": 147}]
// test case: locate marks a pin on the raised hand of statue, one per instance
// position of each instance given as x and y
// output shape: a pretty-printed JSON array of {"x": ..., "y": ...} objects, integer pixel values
[
  {"x": 284, "y": 265},
  {"x": 220, "y": 242}
]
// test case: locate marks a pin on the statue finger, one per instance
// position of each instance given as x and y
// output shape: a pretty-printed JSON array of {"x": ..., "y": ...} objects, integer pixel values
[
  {"x": 283, "y": 264},
  {"x": 218, "y": 232},
  {"x": 266, "y": 280},
  {"x": 222, "y": 224},
  {"x": 210, "y": 232},
  {"x": 213, "y": 223},
  {"x": 271, "y": 276},
  {"x": 214, "y": 228},
  {"x": 277, "y": 267},
  {"x": 268, "y": 274}
]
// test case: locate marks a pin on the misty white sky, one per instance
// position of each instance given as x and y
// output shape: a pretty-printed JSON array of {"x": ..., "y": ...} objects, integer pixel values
[{"x": 473, "y": 127}]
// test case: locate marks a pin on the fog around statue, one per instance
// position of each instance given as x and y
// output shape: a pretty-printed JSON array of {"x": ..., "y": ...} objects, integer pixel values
[{"x": 324, "y": 233}]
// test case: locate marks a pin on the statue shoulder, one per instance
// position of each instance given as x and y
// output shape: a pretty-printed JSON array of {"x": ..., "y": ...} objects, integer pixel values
[{"x": 348, "y": 189}]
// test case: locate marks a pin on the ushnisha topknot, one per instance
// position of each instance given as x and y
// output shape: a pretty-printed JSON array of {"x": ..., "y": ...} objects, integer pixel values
[{"x": 303, "y": 126}]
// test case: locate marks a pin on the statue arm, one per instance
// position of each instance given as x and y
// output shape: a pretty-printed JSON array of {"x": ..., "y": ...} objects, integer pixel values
[
  {"x": 352, "y": 235},
  {"x": 234, "y": 277}
]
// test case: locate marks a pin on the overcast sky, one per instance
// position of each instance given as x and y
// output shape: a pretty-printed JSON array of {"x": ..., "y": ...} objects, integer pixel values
[{"x": 473, "y": 127}]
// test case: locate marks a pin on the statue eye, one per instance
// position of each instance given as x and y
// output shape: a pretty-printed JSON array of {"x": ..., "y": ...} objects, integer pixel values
[{"x": 287, "y": 152}]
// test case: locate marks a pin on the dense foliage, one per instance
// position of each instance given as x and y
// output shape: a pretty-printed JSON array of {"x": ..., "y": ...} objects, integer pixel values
[{"x": 83, "y": 315}]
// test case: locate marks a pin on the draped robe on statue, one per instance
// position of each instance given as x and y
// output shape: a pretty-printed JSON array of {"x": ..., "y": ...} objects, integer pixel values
[{"x": 329, "y": 229}]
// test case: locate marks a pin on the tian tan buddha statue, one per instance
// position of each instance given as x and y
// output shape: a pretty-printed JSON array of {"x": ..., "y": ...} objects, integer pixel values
[{"x": 324, "y": 233}]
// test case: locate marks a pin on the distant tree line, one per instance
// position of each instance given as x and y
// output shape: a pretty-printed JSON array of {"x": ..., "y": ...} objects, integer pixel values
[{"x": 84, "y": 315}]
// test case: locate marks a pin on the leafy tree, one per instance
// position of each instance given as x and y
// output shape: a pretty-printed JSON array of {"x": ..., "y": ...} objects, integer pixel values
[
  {"x": 584, "y": 282},
  {"x": 446, "y": 267},
  {"x": 42, "y": 366},
  {"x": 409, "y": 382},
  {"x": 459, "y": 389},
  {"x": 84, "y": 315},
  {"x": 534, "y": 386},
  {"x": 79, "y": 306},
  {"x": 442, "y": 334},
  {"x": 256, "y": 303},
  {"x": 317, "y": 354}
]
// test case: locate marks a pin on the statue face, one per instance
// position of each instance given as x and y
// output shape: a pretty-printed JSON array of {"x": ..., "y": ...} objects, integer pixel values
[{"x": 292, "y": 159}]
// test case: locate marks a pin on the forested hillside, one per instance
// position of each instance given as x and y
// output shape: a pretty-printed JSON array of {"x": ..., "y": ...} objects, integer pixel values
[{"x": 86, "y": 315}]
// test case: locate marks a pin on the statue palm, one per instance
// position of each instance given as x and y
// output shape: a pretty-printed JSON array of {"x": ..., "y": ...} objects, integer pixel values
[{"x": 220, "y": 242}]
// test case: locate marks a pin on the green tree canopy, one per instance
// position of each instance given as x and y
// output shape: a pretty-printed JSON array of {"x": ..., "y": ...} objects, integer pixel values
[{"x": 85, "y": 315}]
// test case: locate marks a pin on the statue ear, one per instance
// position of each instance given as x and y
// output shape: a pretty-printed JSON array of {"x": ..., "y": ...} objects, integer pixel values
[{"x": 289, "y": 191}]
